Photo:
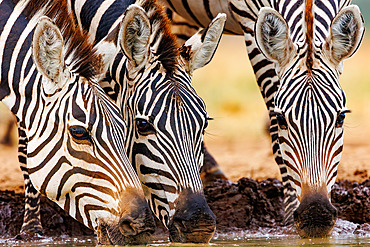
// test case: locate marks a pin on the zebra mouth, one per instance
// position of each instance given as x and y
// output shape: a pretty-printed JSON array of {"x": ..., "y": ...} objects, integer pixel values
[
  {"x": 193, "y": 221},
  {"x": 181, "y": 234},
  {"x": 110, "y": 234},
  {"x": 315, "y": 217}
]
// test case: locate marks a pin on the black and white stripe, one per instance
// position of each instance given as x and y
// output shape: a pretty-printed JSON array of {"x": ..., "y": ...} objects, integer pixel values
[
  {"x": 303, "y": 158},
  {"x": 72, "y": 134},
  {"x": 160, "y": 96}
]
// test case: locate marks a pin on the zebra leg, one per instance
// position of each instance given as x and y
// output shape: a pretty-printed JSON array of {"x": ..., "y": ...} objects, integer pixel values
[
  {"x": 291, "y": 202},
  {"x": 7, "y": 139},
  {"x": 210, "y": 170},
  {"x": 32, "y": 218}
]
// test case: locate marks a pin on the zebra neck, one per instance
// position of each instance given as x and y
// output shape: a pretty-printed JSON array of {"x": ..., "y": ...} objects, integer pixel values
[
  {"x": 88, "y": 14},
  {"x": 19, "y": 78},
  {"x": 201, "y": 13}
]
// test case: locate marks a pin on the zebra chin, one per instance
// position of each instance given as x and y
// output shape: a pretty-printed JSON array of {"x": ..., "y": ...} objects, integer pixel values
[
  {"x": 135, "y": 224},
  {"x": 193, "y": 221},
  {"x": 315, "y": 216}
]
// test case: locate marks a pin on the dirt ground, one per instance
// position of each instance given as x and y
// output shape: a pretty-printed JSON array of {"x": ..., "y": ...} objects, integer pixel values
[
  {"x": 245, "y": 205},
  {"x": 255, "y": 160}
]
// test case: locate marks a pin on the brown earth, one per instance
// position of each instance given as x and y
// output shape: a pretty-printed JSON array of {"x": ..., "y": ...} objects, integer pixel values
[
  {"x": 245, "y": 205},
  {"x": 54, "y": 220},
  {"x": 249, "y": 204}
]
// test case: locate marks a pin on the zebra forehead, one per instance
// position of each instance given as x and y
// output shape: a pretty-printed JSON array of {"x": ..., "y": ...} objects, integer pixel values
[
  {"x": 309, "y": 34},
  {"x": 315, "y": 99},
  {"x": 309, "y": 20}
]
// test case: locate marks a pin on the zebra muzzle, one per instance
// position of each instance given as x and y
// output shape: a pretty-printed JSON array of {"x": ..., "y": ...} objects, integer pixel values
[
  {"x": 193, "y": 221},
  {"x": 315, "y": 216},
  {"x": 135, "y": 224}
]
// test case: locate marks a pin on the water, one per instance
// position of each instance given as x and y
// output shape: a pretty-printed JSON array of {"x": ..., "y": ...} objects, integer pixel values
[
  {"x": 275, "y": 241},
  {"x": 344, "y": 233}
]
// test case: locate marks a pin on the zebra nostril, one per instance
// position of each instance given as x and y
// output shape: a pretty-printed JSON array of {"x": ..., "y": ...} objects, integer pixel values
[{"x": 127, "y": 228}]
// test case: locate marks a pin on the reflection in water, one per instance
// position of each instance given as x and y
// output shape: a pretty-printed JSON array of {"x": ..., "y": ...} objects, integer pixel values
[
  {"x": 345, "y": 233},
  {"x": 50, "y": 241}
]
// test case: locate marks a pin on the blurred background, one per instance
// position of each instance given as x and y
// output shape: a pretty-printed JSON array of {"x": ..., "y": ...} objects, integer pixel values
[{"x": 237, "y": 136}]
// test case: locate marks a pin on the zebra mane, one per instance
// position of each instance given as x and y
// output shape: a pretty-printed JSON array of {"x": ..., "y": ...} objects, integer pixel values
[
  {"x": 163, "y": 42},
  {"x": 79, "y": 53},
  {"x": 309, "y": 19}
]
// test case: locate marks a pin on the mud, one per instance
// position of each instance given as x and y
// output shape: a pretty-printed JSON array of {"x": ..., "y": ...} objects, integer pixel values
[
  {"x": 352, "y": 200},
  {"x": 249, "y": 204},
  {"x": 54, "y": 220},
  {"x": 245, "y": 205}
]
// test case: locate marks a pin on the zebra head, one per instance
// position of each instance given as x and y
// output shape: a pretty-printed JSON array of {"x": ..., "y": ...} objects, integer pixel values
[
  {"x": 166, "y": 118},
  {"x": 310, "y": 105},
  {"x": 76, "y": 153}
]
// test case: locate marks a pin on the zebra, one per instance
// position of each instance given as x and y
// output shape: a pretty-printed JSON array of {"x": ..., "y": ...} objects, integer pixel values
[
  {"x": 297, "y": 50},
  {"x": 166, "y": 118},
  {"x": 73, "y": 134},
  {"x": 141, "y": 84}
]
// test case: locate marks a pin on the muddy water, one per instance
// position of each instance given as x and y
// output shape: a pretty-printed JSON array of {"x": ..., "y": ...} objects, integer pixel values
[
  {"x": 229, "y": 240},
  {"x": 345, "y": 233}
]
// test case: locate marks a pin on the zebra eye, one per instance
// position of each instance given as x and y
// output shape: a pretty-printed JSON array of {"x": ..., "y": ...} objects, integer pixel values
[
  {"x": 206, "y": 123},
  {"x": 281, "y": 121},
  {"x": 340, "y": 120},
  {"x": 205, "y": 126},
  {"x": 79, "y": 133},
  {"x": 144, "y": 127}
]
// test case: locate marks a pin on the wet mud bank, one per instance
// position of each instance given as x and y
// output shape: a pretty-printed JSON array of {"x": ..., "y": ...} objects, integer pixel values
[
  {"x": 250, "y": 205},
  {"x": 54, "y": 220},
  {"x": 245, "y": 205}
]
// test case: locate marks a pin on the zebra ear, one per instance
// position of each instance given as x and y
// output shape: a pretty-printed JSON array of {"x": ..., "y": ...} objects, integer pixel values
[
  {"x": 47, "y": 49},
  {"x": 346, "y": 33},
  {"x": 198, "y": 51},
  {"x": 272, "y": 36},
  {"x": 134, "y": 35}
]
